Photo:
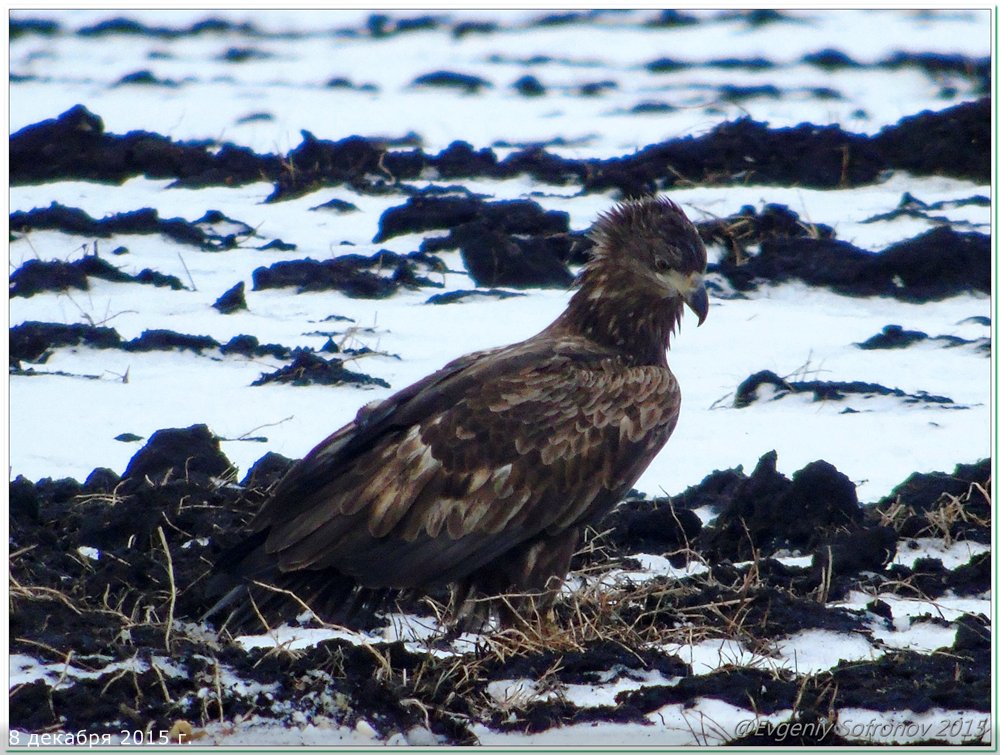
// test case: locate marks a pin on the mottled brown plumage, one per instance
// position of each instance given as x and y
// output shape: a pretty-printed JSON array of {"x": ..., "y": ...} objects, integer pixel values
[{"x": 484, "y": 474}]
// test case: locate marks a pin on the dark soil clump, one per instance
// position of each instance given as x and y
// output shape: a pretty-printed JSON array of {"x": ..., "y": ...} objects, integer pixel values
[
  {"x": 932, "y": 266},
  {"x": 35, "y": 276},
  {"x": 454, "y": 297},
  {"x": 511, "y": 216},
  {"x": 199, "y": 233},
  {"x": 250, "y": 346},
  {"x": 921, "y": 144},
  {"x": 74, "y": 146},
  {"x": 508, "y": 243},
  {"x": 951, "y": 505},
  {"x": 750, "y": 227},
  {"x": 826, "y": 390},
  {"x": 167, "y": 340},
  {"x": 192, "y": 451},
  {"x": 452, "y": 80},
  {"x": 745, "y": 688},
  {"x": 351, "y": 274},
  {"x": 896, "y": 337},
  {"x": 232, "y": 300},
  {"x": 655, "y": 526},
  {"x": 33, "y": 341},
  {"x": 823, "y": 499},
  {"x": 906, "y": 680},
  {"x": 309, "y": 368},
  {"x": 495, "y": 258}
]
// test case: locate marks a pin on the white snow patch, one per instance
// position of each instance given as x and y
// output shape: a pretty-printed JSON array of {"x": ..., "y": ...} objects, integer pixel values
[
  {"x": 615, "y": 681},
  {"x": 295, "y": 638},
  {"x": 802, "y": 562},
  {"x": 948, "y": 607},
  {"x": 710, "y": 655},
  {"x": 659, "y": 566},
  {"x": 950, "y": 555},
  {"x": 813, "y": 650},
  {"x": 25, "y": 669},
  {"x": 919, "y": 636}
]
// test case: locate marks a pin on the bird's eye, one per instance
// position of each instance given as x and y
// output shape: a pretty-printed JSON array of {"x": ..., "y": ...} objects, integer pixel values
[{"x": 661, "y": 265}]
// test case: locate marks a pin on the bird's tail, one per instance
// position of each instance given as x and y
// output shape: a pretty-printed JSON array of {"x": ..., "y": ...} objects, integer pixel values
[
  {"x": 257, "y": 605},
  {"x": 250, "y": 594}
]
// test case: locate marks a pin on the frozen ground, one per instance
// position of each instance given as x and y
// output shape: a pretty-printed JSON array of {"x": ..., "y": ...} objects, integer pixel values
[{"x": 67, "y": 423}]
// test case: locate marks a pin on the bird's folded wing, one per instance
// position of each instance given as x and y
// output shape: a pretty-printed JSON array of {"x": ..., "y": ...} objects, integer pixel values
[{"x": 453, "y": 471}]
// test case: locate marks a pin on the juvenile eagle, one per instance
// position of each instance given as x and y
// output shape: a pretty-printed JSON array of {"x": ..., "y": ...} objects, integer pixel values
[{"x": 484, "y": 474}]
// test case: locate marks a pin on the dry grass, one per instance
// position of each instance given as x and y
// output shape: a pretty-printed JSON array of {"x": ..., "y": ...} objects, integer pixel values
[
  {"x": 948, "y": 511},
  {"x": 895, "y": 515},
  {"x": 952, "y": 509}
]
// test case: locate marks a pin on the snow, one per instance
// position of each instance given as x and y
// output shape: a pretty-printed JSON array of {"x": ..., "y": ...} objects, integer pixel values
[
  {"x": 25, "y": 669},
  {"x": 518, "y": 693},
  {"x": 949, "y": 554},
  {"x": 587, "y": 695},
  {"x": 66, "y": 426},
  {"x": 293, "y": 638},
  {"x": 814, "y": 650},
  {"x": 654, "y": 566},
  {"x": 710, "y": 655},
  {"x": 807, "y": 652},
  {"x": 921, "y": 637},
  {"x": 948, "y": 608}
]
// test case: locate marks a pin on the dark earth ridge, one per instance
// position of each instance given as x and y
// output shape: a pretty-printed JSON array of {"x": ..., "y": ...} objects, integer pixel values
[
  {"x": 353, "y": 274},
  {"x": 233, "y": 300},
  {"x": 952, "y": 142},
  {"x": 35, "y": 276},
  {"x": 897, "y": 337},
  {"x": 309, "y": 368},
  {"x": 828, "y": 390},
  {"x": 145, "y": 221},
  {"x": 936, "y": 264},
  {"x": 33, "y": 342}
]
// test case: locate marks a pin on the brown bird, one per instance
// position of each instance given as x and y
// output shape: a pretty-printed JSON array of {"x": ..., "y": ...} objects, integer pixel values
[{"x": 484, "y": 474}]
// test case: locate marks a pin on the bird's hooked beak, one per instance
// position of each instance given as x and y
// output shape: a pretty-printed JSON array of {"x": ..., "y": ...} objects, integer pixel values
[{"x": 695, "y": 296}]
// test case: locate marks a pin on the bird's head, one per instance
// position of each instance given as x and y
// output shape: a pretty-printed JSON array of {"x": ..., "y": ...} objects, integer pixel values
[{"x": 652, "y": 244}]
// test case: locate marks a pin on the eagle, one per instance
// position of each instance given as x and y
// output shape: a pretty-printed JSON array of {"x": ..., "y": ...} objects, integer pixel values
[{"x": 483, "y": 476}]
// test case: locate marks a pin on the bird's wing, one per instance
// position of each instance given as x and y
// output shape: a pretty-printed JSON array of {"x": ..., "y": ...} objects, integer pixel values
[{"x": 455, "y": 470}]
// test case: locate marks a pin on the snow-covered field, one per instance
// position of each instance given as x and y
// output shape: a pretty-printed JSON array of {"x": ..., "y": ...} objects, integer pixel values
[{"x": 68, "y": 424}]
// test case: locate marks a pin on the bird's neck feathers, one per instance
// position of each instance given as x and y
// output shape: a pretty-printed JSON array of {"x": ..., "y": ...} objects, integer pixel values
[{"x": 609, "y": 309}]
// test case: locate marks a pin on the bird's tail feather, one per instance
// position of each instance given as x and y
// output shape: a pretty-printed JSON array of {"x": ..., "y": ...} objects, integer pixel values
[{"x": 259, "y": 603}]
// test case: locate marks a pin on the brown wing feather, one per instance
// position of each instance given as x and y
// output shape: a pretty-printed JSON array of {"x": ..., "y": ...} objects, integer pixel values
[{"x": 476, "y": 459}]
